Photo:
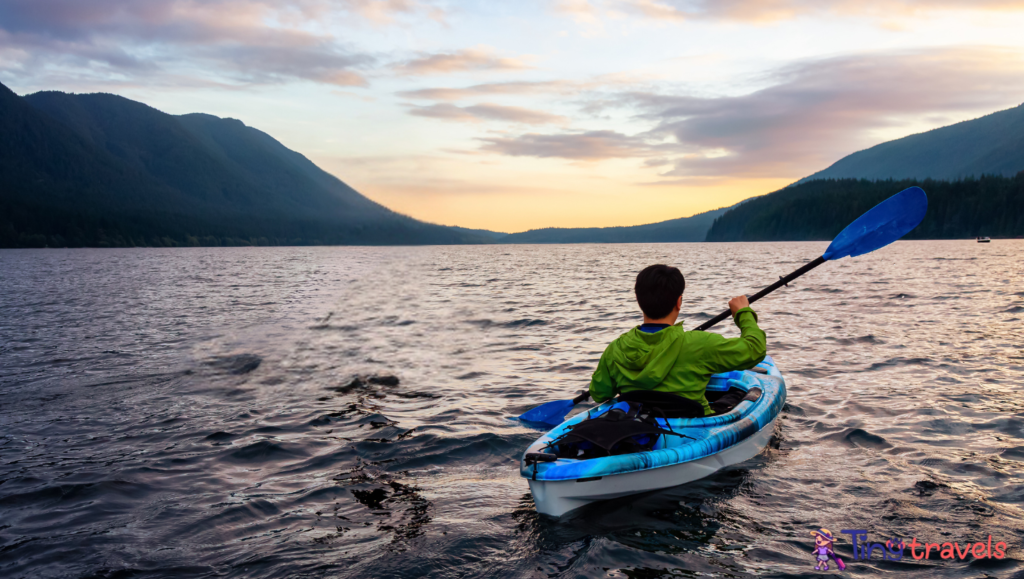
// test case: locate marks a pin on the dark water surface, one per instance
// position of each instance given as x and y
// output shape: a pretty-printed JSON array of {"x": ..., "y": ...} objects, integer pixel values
[{"x": 195, "y": 412}]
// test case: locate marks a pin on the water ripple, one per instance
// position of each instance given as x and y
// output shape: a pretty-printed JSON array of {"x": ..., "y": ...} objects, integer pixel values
[{"x": 344, "y": 412}]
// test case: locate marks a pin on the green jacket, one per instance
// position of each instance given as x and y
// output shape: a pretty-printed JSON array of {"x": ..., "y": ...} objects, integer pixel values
[{"x": 676, "y": 361}]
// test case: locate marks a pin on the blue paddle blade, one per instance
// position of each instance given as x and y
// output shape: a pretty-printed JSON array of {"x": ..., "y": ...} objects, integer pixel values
[
  {"x": 881, "y": 225},
  {"x": 552, "y": 413}
]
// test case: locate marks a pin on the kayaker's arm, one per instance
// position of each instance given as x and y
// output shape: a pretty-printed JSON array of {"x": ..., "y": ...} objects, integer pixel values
[
  {"x": 726, "y": 354},
  {"x": 601, "y": 385}
]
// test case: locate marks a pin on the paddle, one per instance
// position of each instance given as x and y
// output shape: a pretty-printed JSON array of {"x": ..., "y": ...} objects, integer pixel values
[
  {"x": 553, "y": 413},
  {"x": 881, "y": 225}
]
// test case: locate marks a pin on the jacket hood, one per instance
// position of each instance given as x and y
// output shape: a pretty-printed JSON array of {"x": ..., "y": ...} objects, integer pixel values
[{"x": 648, "y": 358}]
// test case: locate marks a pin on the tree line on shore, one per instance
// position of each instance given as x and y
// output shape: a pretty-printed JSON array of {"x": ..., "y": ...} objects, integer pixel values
[{"x": 818, "y": 210}]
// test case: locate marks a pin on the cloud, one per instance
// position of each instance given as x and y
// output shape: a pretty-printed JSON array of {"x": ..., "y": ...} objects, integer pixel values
[
  {"x": 486, "y": 112},
  {"x": 580, "y": 10},
  {"x": 763, "y": 11},
  {"x": 657, "y": 162},
  {"x": 581, "y": 146},
  {"x": 656, "y": 10},
  {"x": 387, "y": 11},
  {"x": 246, "y": 41},
  {"x": 597, "y": 83},
  {"x": 822, "y": 110},
  {"x": 486, "y": 89},
  {"x": 466, "y": 60}
]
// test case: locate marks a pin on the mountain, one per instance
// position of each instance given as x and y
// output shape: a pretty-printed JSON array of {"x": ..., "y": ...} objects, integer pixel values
[
  {"x": 486, "y": 233},
  {"x": 819, "y": 210},
  {"x": 99, "y": 169},
  {"x": 990, "y": 145},
  {"x": 973, "y": 173},
  {"x": 693, "y": 228}
]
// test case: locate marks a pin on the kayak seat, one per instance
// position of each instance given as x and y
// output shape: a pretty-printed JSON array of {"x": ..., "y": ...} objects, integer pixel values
[
  {"x": 626, "y": 428},
  {"x": 670, "y": 405}
]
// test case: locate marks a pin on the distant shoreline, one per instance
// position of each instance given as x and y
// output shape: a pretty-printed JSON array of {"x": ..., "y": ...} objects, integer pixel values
[{"x": 969, "y": 239}]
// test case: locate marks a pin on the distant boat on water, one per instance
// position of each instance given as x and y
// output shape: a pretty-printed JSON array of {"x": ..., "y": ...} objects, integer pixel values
[{"x": 984, "y": 240}]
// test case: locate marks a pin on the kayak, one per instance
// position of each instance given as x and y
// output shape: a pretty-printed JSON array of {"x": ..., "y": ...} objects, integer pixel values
[{"x": 698, "y": 447}]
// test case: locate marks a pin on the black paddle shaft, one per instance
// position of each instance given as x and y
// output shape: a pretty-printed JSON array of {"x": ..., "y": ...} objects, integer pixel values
[{"x": 782, "y": 281}]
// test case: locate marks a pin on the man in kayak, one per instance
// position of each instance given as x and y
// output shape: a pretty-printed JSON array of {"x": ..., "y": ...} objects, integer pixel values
[{"x": 658, "y": 357}]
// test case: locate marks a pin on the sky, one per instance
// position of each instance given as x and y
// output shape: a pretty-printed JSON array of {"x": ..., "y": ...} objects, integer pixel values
[{"x": 520, "y": 115}]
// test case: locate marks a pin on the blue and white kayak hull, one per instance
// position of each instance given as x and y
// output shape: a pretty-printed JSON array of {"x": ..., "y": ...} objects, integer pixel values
[
  {"x": 555, "y": 498},
  {"x": 720, "y": 441}
]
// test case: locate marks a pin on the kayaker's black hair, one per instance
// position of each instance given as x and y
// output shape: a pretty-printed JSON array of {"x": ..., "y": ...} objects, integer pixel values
[{"x": 657, "y": 289}]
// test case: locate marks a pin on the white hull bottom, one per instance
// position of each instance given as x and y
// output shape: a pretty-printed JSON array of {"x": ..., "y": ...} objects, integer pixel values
[{"x": 555, "y": 498}]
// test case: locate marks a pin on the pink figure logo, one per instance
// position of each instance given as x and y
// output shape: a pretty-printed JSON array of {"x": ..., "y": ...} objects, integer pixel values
[{"x": 823, "y": 551}]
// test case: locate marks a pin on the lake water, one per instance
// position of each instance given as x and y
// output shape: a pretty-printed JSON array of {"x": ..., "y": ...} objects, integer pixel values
[{"x": 138, "y": 437}]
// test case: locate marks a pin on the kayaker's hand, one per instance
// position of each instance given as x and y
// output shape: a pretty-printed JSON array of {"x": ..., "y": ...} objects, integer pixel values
[{"x": 738, "y": 303}]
